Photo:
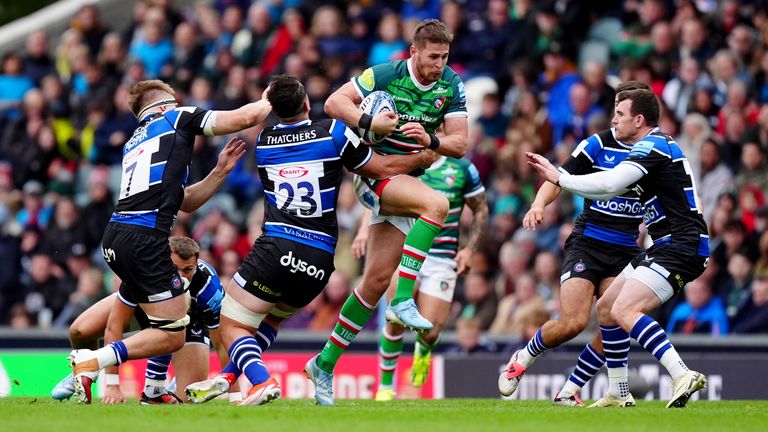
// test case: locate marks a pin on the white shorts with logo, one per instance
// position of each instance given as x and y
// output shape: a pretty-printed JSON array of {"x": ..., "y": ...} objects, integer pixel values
[
  {"x": 370, "y": 200},
  {"x": 437, "y": 278}
]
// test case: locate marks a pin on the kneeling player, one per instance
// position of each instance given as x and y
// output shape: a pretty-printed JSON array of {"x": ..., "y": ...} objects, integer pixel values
[
  {"x": 190, "y": 362},
  {"x": 301, "y": 166}
]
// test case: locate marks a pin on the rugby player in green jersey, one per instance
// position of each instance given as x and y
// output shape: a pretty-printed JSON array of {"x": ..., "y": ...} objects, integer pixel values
[
  {"x": 407, "y": 215},
  {"x": 459, "y": 181}
]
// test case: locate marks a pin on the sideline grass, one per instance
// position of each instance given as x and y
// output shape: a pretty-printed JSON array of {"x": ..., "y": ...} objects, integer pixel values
[{"x": 29, "y": 414}]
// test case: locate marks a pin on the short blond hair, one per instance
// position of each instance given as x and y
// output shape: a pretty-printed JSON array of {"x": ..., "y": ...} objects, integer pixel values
[
  {"x": 144, "y": 92},
  {"x": 431, "y": 30}
]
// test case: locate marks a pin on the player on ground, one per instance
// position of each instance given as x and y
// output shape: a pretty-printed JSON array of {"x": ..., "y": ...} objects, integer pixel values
[
  {"x": 191, "y": 362},
  {"x": 427, "y": 94},
  {"x": 135, "y": 245},
  {"x": 459, "y": 181},
  {"x": 658, "y": 170},
  {"x": 603, "y": 242},
  {"x": 301, "y": 166}
]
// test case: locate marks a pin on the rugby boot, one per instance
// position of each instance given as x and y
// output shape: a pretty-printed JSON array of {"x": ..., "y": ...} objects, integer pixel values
[
  {"x": 407, "y": 314},
  {"x": 85, "y": 370},
  {"x": 263, "y": 393},
  {"x": 322, "y": 380},
  {"x": 510, "y": 377},
  {"x": 203, "y": 391},
  {"x": 684, "y": 387}
]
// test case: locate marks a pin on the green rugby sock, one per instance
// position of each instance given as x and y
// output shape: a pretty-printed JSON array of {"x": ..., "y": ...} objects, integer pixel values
[
  {"x": 353, "y": 316},
  {"x": 417, "y": 244},
  {"x": 390, "y": 348}
]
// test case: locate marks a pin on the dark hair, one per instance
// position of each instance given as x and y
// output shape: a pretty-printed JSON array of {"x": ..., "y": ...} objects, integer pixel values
[
  {"x": 431, "y": 30},
  {"x": 644, "y": 103},
  {"x": 631, "y": 85},
  {"x": 286, "y": 94}
]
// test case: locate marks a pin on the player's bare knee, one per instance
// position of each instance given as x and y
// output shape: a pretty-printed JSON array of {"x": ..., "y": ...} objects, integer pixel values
[
  {"x": 175, "y": 340},
  {"x": 75, "y": 334},
  {"x": 436, "y": 208},
  {"x": 603, "y": 310}
]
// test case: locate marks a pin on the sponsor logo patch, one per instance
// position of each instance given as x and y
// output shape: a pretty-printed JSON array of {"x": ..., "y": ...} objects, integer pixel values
[
  {"x": 293, "y": 172},
  {"x": 297, "y": 265},
  {"x": 366, "y": 80},
  {"x": 579, "y": 267}
]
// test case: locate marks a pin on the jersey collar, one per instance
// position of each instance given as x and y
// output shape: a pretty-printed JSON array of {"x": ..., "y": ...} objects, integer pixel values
[
  {"x": 306, "y": 122},
  {"x": 621, "y": 143},
  {"x": 438, "y": 163},
  {"x": 416, "y": 82}
]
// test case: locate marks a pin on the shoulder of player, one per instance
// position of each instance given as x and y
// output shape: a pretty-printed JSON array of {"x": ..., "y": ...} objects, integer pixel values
[
  {"x": 451, "y": 76},
  {"x": 659, "y": 144},
  {"x": 206, "y": 268}
]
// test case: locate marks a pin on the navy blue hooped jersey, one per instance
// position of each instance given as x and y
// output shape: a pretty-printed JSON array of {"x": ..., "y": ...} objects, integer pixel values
[
  {"x": 204, "y": 283},
  {"x": 616, "y": 220},
  {"x": 668, "y": 191},
  {"x": 156, "y": 166},
  {"x": 301, "y": 167}
]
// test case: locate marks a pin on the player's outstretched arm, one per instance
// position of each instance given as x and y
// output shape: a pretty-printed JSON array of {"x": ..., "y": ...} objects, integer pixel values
[
  {"x": 199, "y": 193},
  {"x": 380, "y": 167},
  {"x": 479, "y": 206},
  {"x": 599, "y": 185},
  {"x": 247, "y": 116},
  {"x": 547, "y": 193},
  {"x": 343, "y": 105}
]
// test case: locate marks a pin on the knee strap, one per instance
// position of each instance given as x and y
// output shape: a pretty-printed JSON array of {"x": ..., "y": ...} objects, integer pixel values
[
  {"x": 232, "y": 309},
  {"x": 168, "y": 324}
]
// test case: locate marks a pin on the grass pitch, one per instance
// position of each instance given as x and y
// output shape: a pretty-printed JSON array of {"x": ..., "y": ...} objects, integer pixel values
[{"x": 29, "y": 414}]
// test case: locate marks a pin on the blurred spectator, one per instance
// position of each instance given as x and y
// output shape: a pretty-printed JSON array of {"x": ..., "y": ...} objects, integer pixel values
[
  {"x": 679, "y": 92},
  {"x": 66, "y": 230},
  {"x": 88, "y": 23},
  {"x": 154, "y": 49},
  {"x": 45, "y": 290},
  {"x": 752, "y": 315},
  {"x": 251, "y": 43},
  {"x": 469, "y": 338},
  {"x": 602, "y": 95},
  {"x": 390, "y": 44},
  {"x": 13, "y": 86},
  {"x": 753, "y": 168},
  {"x": 701, "y": 312},
  {"x": 713, "y": 178},
  {"x": 99, "y": 207},
  {"x": 10, "y": 255},
  {"x": 37, "y": 62},
  {"x": 188, "y": 54},
  {"x": 479, "y": 302},
  {"x": 514, "y": 309},
  {"x": 90, "y": 289},
  {"x": 493, "y": 121},
  {"x": 694, "y": 131}
]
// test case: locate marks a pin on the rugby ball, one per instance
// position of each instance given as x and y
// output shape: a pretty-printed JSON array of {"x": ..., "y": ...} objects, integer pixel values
[{"x": 373, "y": 104}]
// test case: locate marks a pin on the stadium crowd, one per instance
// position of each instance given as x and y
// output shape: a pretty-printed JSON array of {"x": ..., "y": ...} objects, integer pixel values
[{"x": 539, "y": 76}]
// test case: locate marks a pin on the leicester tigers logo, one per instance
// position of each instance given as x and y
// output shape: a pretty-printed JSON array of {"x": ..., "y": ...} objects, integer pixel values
[{"x": 439, "y": 102}]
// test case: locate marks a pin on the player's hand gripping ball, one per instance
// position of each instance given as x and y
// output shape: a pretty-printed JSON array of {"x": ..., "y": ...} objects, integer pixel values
[{"x": 375, "y": 103}]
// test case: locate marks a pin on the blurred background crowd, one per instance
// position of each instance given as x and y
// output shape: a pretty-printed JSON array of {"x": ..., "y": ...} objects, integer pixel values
[{"x": 539, "y": 77}]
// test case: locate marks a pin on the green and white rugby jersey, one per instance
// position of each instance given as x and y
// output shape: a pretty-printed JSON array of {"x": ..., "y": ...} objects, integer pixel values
[
  {"x": 457, "y": 180},
  {"x": 429, "y": 105}
]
